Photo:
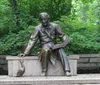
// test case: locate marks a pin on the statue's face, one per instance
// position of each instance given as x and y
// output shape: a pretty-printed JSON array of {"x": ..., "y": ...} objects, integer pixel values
[{"x": 44, "y": 20}]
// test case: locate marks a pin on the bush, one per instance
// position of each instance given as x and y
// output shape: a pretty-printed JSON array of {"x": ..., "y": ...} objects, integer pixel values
[
  {"x": 13, "y": 43},
  {"x": 85, "y": 39}
]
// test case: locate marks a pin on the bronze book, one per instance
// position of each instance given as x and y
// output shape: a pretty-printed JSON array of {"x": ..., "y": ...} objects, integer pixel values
[{"x": 62, "y": 45}]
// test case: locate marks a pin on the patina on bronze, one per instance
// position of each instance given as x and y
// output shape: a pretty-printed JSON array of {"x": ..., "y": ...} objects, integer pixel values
[
  {"x": 62, "y": 45},
  {"x": 47, "y": 32},
  {"x": 21, "y": 70}
]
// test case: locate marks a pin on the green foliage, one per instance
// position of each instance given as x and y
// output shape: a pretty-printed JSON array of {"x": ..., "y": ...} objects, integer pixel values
[
  {"x": 5, "y": 23},
  {"x": 84, "y": 39},
  {"x": 80, "y": 19},
  {"x": 13, "y": 43},
  {"x": 55, "y": 8},
  {"x": 83, "y": 26},
  {"x": 85, "y": 42},
  {"x": 16, "y": 15}
]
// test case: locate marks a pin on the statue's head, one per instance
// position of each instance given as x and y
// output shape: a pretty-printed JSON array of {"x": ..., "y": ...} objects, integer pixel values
[{"x": 44, "y": 18}]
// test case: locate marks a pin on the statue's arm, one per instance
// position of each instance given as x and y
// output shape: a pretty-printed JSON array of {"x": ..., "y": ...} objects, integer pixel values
[
  {"x": 31, "y": 42},
  {"x": 61, "y": 35}
]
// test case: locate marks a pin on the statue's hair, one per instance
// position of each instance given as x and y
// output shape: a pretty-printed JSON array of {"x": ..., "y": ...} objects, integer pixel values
[{"x": 44, "y": 14}]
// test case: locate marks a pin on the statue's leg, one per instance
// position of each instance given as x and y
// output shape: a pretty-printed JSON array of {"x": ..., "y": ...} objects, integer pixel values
[
  {"x": 64, "y": 61},
  {"x": 45, "y": 58}
]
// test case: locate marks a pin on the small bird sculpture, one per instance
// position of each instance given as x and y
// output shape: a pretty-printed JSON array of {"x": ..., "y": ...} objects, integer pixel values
[{"x": 21, "y": 70}]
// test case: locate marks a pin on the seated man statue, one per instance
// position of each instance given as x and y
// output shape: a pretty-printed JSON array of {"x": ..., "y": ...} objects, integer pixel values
[{"x": 47, "y": 33}]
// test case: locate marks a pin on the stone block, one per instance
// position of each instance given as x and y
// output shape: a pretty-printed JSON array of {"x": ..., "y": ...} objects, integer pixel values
[
  {"x": 89, "y": 55},
  {"x": 55, "y": 70},
  {"x": 3, "y": 56},
  {"x": 73, "y": 66},
  {"x": 82, "y": 60},
  {"x": 5, "y": 67},
  {"x": 3, "y": 62},
  {"x": 80, "y": 79},
  {"x": 88, "y": 61},
  {"x": 95, "y": 60},
  {"x": 88, "y": 65},
  {"x": 33, "y": 66}
]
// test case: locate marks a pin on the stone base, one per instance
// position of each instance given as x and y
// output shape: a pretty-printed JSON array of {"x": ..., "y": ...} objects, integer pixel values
[
  {"x": 90, "y": 79},
  {"x": 33, "y": 66}
]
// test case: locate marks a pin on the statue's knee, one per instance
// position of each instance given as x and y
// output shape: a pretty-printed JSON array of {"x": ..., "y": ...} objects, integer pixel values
[{"x": 46, "y": 49}]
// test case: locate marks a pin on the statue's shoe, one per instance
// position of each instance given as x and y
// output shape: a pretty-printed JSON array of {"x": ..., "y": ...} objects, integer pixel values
[
  {"x": 43, "y": 74},
  {"x": 68, "y": 74}
]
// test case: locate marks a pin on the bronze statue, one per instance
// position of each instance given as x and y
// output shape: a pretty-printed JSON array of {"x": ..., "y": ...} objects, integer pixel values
[{"x": 46, "y": 33}]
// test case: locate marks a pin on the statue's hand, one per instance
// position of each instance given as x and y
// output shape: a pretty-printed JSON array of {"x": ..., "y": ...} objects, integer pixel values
[{"x": 22, "y": 55}]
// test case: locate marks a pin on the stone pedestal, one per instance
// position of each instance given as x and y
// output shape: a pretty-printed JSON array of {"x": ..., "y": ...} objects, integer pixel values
[
  {"x": 33, "y": 66},
  {"x": 80, "y": 79}
]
